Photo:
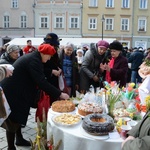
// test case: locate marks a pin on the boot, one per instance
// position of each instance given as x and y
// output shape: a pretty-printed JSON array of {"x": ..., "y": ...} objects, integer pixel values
[
  {"x": 10, "y": 140},
  {"x": 20, "y": 141}
]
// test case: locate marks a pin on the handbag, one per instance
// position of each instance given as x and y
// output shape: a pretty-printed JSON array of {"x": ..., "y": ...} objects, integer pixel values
[
  {"x": 4, "y": 107},
  {"x": 43, "y": 106}
]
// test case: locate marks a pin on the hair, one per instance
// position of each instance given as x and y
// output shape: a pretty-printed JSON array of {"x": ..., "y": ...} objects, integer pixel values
[
  {"x": 69, "y": 44},
  {"x": 28, "y": 41}
]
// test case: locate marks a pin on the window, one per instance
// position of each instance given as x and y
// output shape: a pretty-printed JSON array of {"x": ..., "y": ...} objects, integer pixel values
[
  {"x": 14, "y": 3},
  {"x": 93, "y": 3},
  {"x": 23, "y": 21},
  {"x": 124, "y": 24},
  {"x": 44, "y": 22},
  {"x": 74, "y": 22},
  {"x": 6, "y": 21},
  {"x": 109, "y": 3},
  {"x": 92, "y": 23},
  {"x": 143, "y": 4},
  {"x": 59, "y": 22},
  {"x": 142, "y": 24},
  {"x": 125, "y": 3},
  {"x": 109, "y": 24}
]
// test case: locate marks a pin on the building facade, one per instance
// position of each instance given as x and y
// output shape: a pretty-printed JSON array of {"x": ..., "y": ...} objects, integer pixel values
[{"x": 124, "y": 20}]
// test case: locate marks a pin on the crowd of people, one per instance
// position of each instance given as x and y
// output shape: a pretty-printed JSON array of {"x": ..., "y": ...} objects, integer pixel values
[{"x": 42, "y": 66}]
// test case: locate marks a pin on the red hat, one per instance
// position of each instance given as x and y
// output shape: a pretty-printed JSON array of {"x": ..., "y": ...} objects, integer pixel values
[
  {"x": 103, "y": 43},
  {"x": 46, "y": 49}
]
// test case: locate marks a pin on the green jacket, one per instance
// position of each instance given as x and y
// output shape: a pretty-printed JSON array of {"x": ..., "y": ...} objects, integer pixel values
[{"x": 141, "y": 132}]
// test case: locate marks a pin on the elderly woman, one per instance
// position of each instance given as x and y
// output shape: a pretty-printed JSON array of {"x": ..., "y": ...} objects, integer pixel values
[
  {"x": 116, "y": 69},
  {"x": 70, "y": 68},
  {"x": 21, "y": 88}
]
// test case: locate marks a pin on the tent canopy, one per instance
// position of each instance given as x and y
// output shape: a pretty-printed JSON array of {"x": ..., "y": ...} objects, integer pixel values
[{"x": 76, "y": 41}]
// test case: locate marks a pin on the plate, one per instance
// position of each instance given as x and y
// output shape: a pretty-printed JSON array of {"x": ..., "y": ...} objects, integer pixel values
[
  {"x": 94, "y": 137},
  {"x": 66, "y": 119},
  {"x": 59, "y": 113}
]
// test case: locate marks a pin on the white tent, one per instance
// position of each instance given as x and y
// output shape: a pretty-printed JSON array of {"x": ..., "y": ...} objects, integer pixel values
[{"x": 76, "y": 41}]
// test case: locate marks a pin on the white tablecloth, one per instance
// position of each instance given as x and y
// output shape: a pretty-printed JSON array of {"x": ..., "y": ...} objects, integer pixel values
[{"x": 73, "y": 138}]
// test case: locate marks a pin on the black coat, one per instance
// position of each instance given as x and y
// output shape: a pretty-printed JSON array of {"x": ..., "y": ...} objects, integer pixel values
[{"x": 21, "y": 88}]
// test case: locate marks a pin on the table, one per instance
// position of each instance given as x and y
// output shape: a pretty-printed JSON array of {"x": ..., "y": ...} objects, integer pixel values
[{"x": 74, "y": 139}]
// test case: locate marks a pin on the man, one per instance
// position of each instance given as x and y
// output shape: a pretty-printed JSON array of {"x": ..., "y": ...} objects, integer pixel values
[
  {"x": 90, "y": 71},
  {"x": 21, "y": 88},
  {"x": 29, "y": 48}
]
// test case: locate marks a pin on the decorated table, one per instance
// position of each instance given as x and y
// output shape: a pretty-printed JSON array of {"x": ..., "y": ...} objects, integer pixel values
[{"x": 75, "y": 138}]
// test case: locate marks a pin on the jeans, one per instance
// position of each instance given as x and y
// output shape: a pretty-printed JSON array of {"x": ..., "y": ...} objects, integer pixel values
[{"x": 135, "y": 77}]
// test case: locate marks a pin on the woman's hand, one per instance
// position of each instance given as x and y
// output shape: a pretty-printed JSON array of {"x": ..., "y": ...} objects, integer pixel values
[
  {"x": 127, "y": 139},
  {"x": 56, "y": 72},
  {"x": 64, "y": 96},
  {"x": 9, "y": 72}
]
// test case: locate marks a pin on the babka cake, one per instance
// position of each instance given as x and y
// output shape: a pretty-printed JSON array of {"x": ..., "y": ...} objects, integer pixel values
[
  {"x": 98, "y": 124},
  {"x": 86, "y": 108},
  {"x": 63, "y": 106}
]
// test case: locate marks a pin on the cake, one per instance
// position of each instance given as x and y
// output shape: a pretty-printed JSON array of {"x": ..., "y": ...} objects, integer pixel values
[
  {"x": 98, "y": 124},
  {"x": 63, "y": 106},
  {"x": 86, "y": 108}
]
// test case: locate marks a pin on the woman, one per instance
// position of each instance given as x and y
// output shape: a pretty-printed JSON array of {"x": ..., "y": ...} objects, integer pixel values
[
  {"x": 20, "y": 89},
  {"x": 70, "y": 68},
  {"x": 116, "y": 69}
]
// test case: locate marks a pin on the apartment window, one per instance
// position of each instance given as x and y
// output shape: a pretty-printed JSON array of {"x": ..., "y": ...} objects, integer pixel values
[
  {"x": 74, "y": 22},
  {"x": 14, "y": 3},
  {"x": 109, "y": 3},
  {"x": 125, "y": 3},
  {"x": 92, "y": 23},
  {"x": 109, "y": 23},
  {"x": 44, "y": 22},
  {"x": 93, "y": 3},
  {"x": 23, "y": 21},
  {"x": 59, "y": 22},
  {"x": 124, "y": 24},
  {"x": 142, "y": 24},
  {"x": 143, "y": 4},
  {"x": 6, "y": 21}
]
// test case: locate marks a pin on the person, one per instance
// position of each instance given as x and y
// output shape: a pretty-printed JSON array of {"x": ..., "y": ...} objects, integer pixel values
[
  {"x": 138, "y": 136},
  {"x": 79, "y": 56},
  {"x": 27, "y": 75},
  {"x": 11, "y": 55},
  {"x": 116, "y": 69},
  {"x": 53, "y": 68},
  {"x": 90, "y": 71},
  {"x": 29, "y": 48},
  {"x": 70, "y": 68},
  {"x": 136, "y": 59}
]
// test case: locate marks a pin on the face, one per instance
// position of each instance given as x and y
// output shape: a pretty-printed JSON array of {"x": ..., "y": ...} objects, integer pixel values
[
  {"x": 101, "y": 50},
  {"x": 79, "y": 54},
  {"x": 45, "y": 57},
  {"x": 68, "y": 50},
  {"x": 14, "y": 54},
  {"x": 115, "y": 53}
]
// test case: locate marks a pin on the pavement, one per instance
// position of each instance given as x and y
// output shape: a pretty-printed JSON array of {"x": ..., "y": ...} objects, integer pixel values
[{"x": 29, "y": 132}]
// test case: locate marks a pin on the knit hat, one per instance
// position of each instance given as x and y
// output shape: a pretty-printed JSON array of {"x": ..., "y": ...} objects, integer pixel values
[
  {"x": 52, "y": 38},
  {"x": 11, "y": 48},
  {"x": 116, "y": 45},
  {"x": 103, "y": 43},
  {"x": 80, "y": 50},
  {"x": 46, "y": 49}
]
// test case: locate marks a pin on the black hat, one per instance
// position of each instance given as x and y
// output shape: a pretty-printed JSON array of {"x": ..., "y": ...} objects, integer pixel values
[
  {"x": 52, "y": 38},
  {"x": 116, "y": 45}
]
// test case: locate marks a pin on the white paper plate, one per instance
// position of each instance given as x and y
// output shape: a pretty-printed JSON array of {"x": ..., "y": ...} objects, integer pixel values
[
  {"x": 58, "y": 113},
  {"x": 63, "y": 124},
  {"x": 102, "y": 137}
]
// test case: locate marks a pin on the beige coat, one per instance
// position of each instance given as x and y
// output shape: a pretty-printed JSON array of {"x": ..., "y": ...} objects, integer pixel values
[{"x": 141, "y": 132}]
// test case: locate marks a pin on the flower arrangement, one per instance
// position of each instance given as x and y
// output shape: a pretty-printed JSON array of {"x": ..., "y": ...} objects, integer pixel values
[
  {"x": 147, "y": 101},
  {"x": 112, "y": 96}
]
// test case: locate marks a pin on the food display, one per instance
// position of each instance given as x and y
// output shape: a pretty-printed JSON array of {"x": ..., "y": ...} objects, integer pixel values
[
  {"x": 120, "y": 112},
  {"x": 66, "y": 119},
  {"x": 63, "y": 106},
  {"x": 86, "y": 108},
  {"x": 98, "y": 124}
]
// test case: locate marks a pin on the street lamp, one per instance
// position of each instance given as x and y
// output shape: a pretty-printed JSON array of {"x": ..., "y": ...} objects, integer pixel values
[{"x": 102, "y": 19}]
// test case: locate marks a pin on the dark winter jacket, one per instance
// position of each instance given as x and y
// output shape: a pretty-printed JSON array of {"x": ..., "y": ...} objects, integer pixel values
[
  {"x": 21, "y": 88},
  {"x": 6, "y": 59}
]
